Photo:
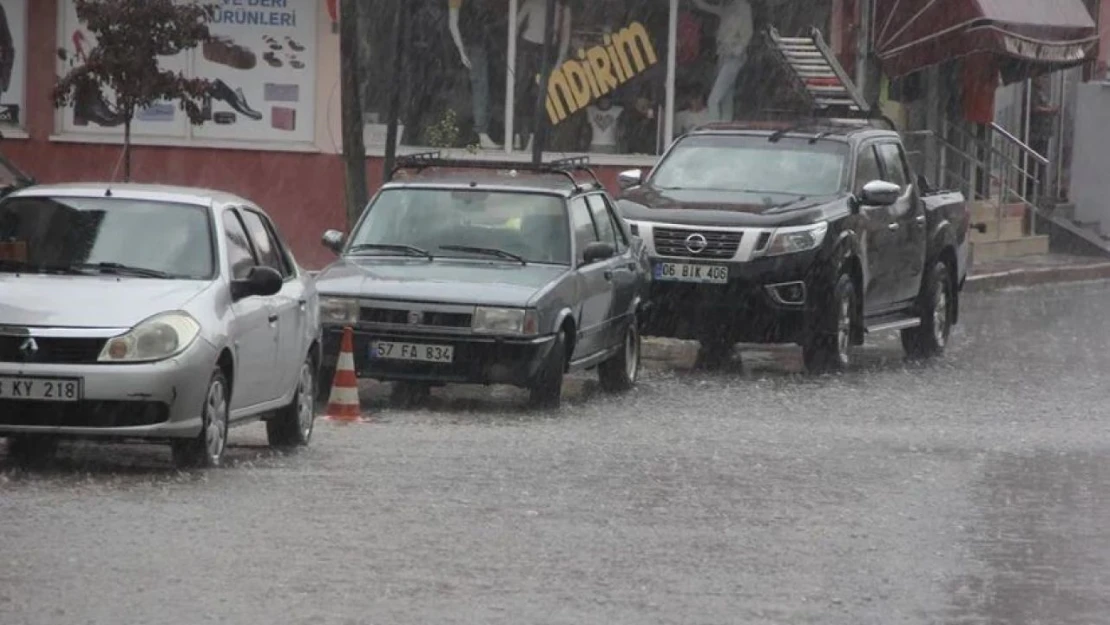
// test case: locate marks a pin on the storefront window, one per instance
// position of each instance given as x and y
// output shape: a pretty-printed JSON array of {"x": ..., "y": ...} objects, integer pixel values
[
  {"x": 262, "y": 64},
  {"x": 13, "y": 62}
]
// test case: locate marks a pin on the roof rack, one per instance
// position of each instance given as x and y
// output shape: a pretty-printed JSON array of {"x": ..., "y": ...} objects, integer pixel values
[{"x": 564, "y": 166}]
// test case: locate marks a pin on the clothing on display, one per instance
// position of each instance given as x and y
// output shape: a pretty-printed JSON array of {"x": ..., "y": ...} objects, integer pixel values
[
  {"x": 531, "y": 23},
  {"x": 482, "y": 23},
  {"x": 734, "y": 34},
  {"x": 603, "y": 124},
  {"x": 687, "y": 119}
]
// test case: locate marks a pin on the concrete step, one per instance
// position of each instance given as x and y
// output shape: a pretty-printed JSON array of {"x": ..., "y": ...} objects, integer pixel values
[
  {"x": 1007, "y": 228},
  {"x": 986, "y": 210},
  {"x": 987, "y": 251}
]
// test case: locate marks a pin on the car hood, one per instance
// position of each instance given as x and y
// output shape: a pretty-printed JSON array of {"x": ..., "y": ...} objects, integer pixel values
[
  {"x": 89, "y": 301},
  {"x": 441, "y": 280},
  {"x": 725, "y": 208}
]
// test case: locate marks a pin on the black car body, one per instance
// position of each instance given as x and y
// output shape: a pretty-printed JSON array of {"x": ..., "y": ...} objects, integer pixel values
[
  {"x": 504, "y": 274},
  {"x": 751, "y": 228}
]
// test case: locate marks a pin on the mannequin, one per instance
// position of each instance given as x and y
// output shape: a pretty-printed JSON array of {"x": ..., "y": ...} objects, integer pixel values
[
  {"x": 734, "y": 33},
  {"x": 603, "y": 118},
  {"x": 481, "y": 19},
  {"x": 531, "y": 24}
]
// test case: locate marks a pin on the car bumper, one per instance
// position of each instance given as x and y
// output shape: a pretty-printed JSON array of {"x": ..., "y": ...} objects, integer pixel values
[
  {"x": 477, "y": 360},
  {"x": 160, "y": 400},
  {"x": 753, "y": 306}
]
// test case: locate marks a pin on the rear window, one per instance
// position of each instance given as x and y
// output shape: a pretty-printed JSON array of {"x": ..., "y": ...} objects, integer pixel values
[{"x": 753, "y": 164}]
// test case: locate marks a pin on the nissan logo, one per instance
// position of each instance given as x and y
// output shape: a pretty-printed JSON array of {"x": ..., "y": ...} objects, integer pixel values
[{"x": 696, "y": 243}]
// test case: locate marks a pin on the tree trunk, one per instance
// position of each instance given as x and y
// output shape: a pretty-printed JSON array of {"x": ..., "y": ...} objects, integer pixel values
[
  {"x": 354, "y": 149},
  {"x": 127, "y": 149}
]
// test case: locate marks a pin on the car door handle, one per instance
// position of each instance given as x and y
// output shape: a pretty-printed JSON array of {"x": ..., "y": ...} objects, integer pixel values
[
  {"x": 273, "y": 317},
  {"x": 894, "y": 226},
  {"x": 920, "y": 220},
  {"x": 608, "y": 275}
]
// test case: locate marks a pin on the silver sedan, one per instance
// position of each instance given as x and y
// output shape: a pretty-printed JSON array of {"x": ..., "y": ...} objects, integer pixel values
[{"x": 150, "y": 312}]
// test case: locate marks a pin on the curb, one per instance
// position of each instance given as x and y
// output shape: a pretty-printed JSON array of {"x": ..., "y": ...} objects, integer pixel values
[{"x": 1030, "y": 277}]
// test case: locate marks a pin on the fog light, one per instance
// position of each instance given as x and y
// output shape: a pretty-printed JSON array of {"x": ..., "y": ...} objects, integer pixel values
[{"x": 788, "y": 293}]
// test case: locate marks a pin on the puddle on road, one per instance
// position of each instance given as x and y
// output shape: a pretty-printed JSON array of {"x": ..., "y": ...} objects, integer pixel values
[{"x": 1040, "y": 542}]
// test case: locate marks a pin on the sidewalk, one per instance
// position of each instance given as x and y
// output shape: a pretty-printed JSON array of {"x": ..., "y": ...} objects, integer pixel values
[{"x": 1030, "y": 270}]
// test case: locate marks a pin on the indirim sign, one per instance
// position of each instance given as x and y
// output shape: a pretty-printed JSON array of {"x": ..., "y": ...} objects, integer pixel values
[{"x": 599, "y": 70}]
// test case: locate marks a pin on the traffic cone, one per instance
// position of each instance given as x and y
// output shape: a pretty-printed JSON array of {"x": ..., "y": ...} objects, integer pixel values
[{"x": 343, "y": 403}]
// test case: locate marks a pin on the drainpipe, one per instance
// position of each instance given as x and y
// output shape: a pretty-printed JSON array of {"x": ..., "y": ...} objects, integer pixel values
[{"x": 863, "y": 44}]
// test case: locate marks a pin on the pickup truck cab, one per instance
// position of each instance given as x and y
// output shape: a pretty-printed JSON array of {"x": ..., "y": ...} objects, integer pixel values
[{"x": 815, "y": 233}]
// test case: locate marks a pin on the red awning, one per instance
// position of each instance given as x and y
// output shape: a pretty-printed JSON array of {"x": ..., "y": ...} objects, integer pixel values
[{"x": 1029, "y": 36}]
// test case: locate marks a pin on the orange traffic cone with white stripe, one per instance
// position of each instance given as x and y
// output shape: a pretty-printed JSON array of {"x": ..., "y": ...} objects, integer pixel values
[{"x": 343, "y": 404}]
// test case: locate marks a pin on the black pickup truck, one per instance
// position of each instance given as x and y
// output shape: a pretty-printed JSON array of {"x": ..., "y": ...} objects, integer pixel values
[{"x": 815, "y": 233}]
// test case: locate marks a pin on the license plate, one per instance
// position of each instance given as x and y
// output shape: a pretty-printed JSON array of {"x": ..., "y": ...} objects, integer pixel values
[
  {"x": 40, "y": 389},
  {"x": 684, "y": 272},
  {"x": 392, "y": 350}
]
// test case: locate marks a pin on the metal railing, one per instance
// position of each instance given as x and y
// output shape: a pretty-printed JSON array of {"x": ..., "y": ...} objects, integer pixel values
[{"x": 985, "y": 162}]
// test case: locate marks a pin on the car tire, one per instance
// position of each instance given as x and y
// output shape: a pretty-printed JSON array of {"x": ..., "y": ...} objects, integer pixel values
[
  {"x": 292, "y": 425},
  {"x": 929, "y": 339},
  {"x": 830, "y": 346},
  {"x": 546, "y": 391},
  {"x": 206, "y": 450},
  {"x": 619, "y": 373},
  {"x": 410, "y": 394},
  {"x": 32, "y": 450}
]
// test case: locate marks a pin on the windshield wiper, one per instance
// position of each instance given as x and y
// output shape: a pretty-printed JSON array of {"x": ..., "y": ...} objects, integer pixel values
[
  {"x": 411, "y": 250},
  {"x": 24, "y": 266},
  {"x": 120, "y": 269},
  {"x": 488, "y": 251}
]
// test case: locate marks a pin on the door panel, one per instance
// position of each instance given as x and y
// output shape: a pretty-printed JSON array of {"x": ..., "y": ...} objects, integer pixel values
[
  {"x": 878, "y": 250},
  {"x": 595, "y": 286},
  {"x": 621, "y": 267},
  {"x": 254, "y": 334},
  {"x": 910, "y": 237}
]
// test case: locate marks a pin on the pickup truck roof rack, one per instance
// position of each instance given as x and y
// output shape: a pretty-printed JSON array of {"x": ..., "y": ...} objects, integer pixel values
[
  {"x": 817, "y": 75},
  {"x": 566, "y": 167}
]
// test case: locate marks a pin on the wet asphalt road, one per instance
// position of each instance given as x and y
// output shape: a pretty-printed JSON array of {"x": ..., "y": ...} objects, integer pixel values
[{"x": 970, "y": 491}]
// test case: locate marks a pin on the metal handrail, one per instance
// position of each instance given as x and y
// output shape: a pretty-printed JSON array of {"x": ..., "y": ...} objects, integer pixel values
[{"x": 1035, "y": 155}]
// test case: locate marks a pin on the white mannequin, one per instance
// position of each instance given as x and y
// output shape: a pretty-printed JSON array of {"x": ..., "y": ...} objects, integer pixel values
[
  {"x": 479, "y": 76},
  {"x": 734, "y": 33},
  {"x": 533, "y": 18},
  {"x": 603, "y": 117}
]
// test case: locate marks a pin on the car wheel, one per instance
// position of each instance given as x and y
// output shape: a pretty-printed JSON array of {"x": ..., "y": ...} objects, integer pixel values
[
  {"x": 931, "y": 337},
  {"x": 620, "y": 372},
  {"x": 410, "y": 394},
  {"x": 207, "y": 449},
  {"x": 32, "y": 450},
  {"x": 547, "y": 389},
  {"x": 829, "y": 349},
  {"x": 292, "y": 425}
]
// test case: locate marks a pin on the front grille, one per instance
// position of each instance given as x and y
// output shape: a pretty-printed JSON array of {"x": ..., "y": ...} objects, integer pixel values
[
  {"x": 51, "y": 350},
  {"x": 426, "y": 318},
  {"x": 718, "y": 244},
  {"x": 83, "y": 414}
]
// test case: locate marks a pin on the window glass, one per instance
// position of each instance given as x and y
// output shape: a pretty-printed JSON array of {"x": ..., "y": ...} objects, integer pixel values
[
  {"x": 268, "y": 252},
  {"x": 894, "y": 164},
  {"x": 240, "y": 257},
  {"x": 867, "y": 167},
  {"x": 530, "y": 225},
  {"x": 584, "y": 230},
  {"x": 605, "y": 230},
  {"x": 175, "y": 239}
]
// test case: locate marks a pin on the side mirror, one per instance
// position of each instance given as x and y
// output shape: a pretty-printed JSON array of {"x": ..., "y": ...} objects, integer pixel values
[
  {"x": 630, "y": 178},
  {"x": 260, "y": 282},
  {"x": 880, "y": 193},
  {"x": 598, "y": 250},
  {"x": 333, "y": 240}
]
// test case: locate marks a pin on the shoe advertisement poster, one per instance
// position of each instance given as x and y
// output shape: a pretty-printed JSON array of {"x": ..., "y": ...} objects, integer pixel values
[
  {"x": 94, "y": 113},
  {"x": 261, "y": 63},
  {"x": 13, "y": 62}
]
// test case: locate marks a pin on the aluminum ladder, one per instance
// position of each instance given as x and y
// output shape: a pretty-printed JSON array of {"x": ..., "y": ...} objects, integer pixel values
[{"x": 818, "y": 76}]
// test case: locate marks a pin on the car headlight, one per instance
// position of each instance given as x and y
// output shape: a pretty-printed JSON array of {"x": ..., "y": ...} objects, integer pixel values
[
  {"x": 504, "y": 321},
  {"x": 338, "y": 310},
  {"x": 159, "y": 337},
  {"x": 796, "y": 239}
]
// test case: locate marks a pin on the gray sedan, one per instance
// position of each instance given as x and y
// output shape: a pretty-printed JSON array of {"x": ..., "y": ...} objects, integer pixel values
[{"x": 150, "y": 312}]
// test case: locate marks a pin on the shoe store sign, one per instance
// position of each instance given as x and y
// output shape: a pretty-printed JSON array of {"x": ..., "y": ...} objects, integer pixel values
[
  {"x": 13, "y": 62},
  {"x": 261, "y": 63}
]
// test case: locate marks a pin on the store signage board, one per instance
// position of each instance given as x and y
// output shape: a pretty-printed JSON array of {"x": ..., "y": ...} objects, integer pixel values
[{"x": 13, "y": 65}]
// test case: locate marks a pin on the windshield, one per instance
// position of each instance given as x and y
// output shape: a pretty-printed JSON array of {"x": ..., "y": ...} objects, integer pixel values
[
  {"x": 753, "y": 164},
  {"x": 38, "y": 233},
  {"x": 532, "y": 227}
]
